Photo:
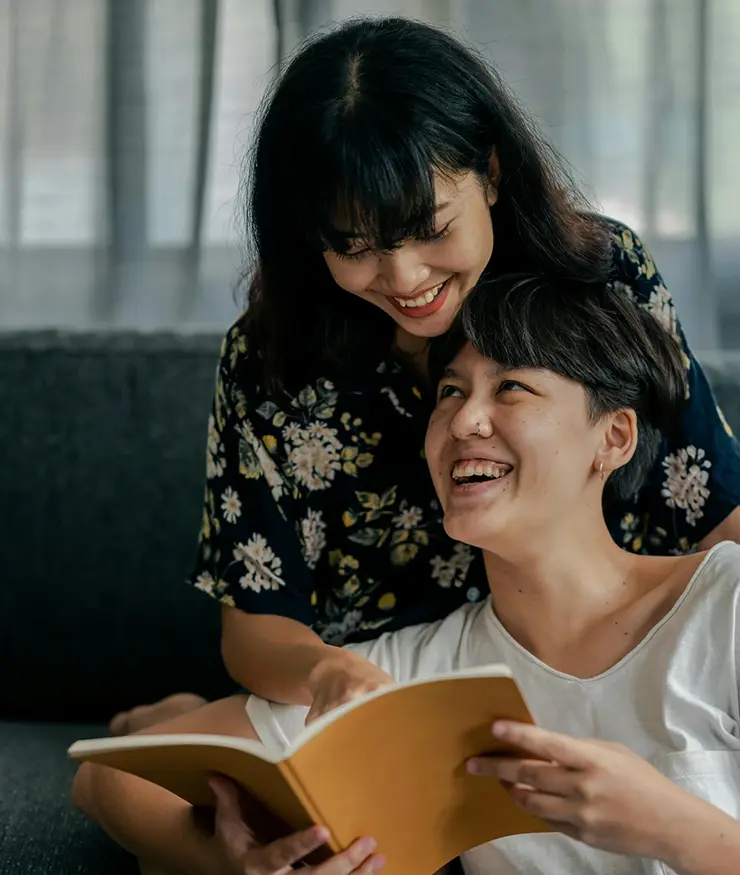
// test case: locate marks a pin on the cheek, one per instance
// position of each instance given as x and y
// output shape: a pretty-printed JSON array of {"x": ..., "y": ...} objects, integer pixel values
[
  {"x": 351, "y": 276},
  {"x": 471, "y": 251},
  {"x": 434, "y": 448}
]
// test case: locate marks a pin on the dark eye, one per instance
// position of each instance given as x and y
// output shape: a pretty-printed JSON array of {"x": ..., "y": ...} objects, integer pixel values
[
  {"x": 511, "y": 386},
  {"x": 450, "y": 391}
]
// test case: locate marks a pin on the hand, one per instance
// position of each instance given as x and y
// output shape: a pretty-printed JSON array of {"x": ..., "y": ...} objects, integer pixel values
[
  {"x": 239, "y": 851},
  {"x": 340, "y": 678},
  {"x": 596, "y": 791}
]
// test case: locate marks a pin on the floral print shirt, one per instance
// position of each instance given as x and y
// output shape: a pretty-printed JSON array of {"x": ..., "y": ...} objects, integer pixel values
[{"x": 321, "y": 508}]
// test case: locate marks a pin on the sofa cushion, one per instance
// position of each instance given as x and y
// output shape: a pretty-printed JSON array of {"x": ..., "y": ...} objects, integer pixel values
[{"x": 40, "y": 831}]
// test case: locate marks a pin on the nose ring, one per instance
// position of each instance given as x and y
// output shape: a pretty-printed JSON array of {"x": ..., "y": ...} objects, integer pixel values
[{"x": 478, "y": 434}]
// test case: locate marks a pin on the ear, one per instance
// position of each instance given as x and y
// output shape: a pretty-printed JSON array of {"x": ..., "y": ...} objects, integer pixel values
[
  {"x": 494, "y": 178},
  {"x": 618, "y": 443}
]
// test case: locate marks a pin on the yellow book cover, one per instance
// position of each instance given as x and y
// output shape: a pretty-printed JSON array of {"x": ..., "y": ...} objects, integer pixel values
[{"x": 390, "y": 765}]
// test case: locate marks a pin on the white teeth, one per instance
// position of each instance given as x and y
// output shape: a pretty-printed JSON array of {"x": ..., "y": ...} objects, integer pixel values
[
  {"x": 477, "y": 468},
  {"x": 422, "y": 300}
]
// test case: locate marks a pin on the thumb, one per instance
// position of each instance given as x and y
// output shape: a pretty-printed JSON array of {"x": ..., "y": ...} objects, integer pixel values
[
  {"x": 230, "y": 827},
  {"x": 226, "y": 793}
]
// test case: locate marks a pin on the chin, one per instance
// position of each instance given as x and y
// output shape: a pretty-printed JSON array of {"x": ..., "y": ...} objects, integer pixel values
[{"x": 468, "y": 530}]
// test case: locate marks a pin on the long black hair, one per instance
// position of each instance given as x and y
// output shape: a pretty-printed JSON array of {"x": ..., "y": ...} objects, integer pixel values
[
  {"x": 592, "y": 333},
  {"x": 357, "y": 126}
]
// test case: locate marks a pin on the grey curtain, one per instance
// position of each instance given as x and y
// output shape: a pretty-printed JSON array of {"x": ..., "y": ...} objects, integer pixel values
[{"x": 123, "y": 124}]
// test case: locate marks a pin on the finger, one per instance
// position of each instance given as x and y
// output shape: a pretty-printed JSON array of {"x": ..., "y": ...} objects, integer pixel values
[
  {"x": 282, "y": 853},
  {"x": 227, "y": 797},
  {"x": 556, "y": 809},
  {"x": 541, "y": 775},
  {"x": 358, "y": 858},
  {"x": 570, "y": 752},
  {"x": 229, "y": 824}
]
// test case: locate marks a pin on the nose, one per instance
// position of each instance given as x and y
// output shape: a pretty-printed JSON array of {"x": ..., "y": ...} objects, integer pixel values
[
  {"x": 402, "y": 271},
  {"x": 472, "y": 419}
]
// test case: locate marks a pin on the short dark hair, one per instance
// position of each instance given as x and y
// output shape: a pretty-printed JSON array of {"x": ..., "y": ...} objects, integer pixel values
[
  {"x": 593, "y": 333},
  {"x": 357, "y": 126}
]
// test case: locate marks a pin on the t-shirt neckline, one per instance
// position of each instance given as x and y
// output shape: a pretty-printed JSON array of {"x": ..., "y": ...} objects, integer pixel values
[{"x": 631, "y": 654}]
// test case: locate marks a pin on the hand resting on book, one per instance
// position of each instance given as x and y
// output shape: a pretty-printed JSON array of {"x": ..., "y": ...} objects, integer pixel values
[{"x": 341, "y": 678}]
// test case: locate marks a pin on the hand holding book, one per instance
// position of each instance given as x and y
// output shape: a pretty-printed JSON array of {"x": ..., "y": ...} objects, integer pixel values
[{"x": 239, "y": 850}]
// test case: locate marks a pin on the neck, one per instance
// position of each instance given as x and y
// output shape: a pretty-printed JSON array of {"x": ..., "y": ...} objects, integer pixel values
[
  {"x": 559, "y": 584},
  {"x": 414, "y": 349}
]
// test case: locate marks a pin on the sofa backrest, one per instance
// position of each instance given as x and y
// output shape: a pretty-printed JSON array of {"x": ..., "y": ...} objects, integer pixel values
[
  {"x": 102, "y": 464},
  {"x": 102, "y": 461}
]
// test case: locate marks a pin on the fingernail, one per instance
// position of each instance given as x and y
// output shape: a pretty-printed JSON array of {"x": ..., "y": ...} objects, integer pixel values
[
  {"x": 473, "y": 767},
  {"x": 321, "y": 834},
  {"x": 366, "y": 845},
  {"x": 377, "y": 863},
  {"x": 500, "y": 728}
]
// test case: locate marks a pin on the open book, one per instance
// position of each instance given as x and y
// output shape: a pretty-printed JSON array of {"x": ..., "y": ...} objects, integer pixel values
[{"x": 390, "y": 764}]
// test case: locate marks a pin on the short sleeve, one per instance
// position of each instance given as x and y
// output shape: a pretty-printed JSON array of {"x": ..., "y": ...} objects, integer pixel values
[
  {"x": 695, "y": 484},
  {"x": 250, "y": 554}
]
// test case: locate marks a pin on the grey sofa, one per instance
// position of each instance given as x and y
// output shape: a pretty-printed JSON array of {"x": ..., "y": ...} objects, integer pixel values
[{"x": 102, "y": 443}]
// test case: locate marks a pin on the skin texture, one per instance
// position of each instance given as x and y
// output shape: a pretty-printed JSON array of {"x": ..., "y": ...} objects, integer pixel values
[{"x": 460, "y": 256}]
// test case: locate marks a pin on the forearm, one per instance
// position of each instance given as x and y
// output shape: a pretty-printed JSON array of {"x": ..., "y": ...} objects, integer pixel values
[
  {"x": 727, "y": 530},
  {"x": 703, "y": 840},
  {"x": 274, "y": 657},
  {"x": 149, "y": 822}
]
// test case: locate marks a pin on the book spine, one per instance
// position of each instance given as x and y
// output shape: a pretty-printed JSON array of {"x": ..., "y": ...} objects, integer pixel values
[{"x": 307, "y": 801}]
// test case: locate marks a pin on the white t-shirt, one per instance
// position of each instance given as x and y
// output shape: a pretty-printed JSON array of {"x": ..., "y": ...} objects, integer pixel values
[{"x": 673, "y": 700}]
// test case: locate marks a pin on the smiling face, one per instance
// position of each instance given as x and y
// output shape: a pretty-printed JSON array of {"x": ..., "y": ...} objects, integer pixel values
[
  {"x": 514, "y": 453},
  {"x": 422, "y": 283}
]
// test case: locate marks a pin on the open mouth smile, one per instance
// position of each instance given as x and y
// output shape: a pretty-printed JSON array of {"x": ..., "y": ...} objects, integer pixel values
[
  {"x": 425, "y": 304},
  {"x": 467, "y": 474}
]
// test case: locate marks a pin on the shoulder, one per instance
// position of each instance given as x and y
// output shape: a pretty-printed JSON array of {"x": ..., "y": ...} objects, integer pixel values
[
  {"x": 634, "y": 269},
  {"x": 631, "y": 259},
  {"x": 715, "y": 585}
]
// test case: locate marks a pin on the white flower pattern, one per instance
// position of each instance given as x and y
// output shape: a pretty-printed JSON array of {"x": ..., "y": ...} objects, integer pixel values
[
  {"x": 231, "y": 505},
  {"x": 313, "y": 537},
  {"x": 408, "y": 517},
  {"x": 452, "y": 571},
  {"x": 315, "y": 456},
  {"x": 685, "y": 486},
  {"x": 263, "y": 567}
]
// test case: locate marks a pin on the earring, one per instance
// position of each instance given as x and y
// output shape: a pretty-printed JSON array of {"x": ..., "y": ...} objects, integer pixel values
[{"x": 601, "y": 470}]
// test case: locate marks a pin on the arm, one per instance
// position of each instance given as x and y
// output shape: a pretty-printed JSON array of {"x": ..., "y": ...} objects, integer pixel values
[
  {"x": 256, "y": 554},
  {"x": 285, "y": 661},
  {"x": 727, "y": 530},
  {"x": 705, "y": 842}
]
